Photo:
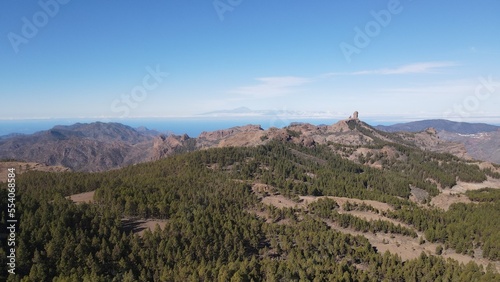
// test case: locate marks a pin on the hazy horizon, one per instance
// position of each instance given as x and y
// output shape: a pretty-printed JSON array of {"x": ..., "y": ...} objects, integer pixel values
[{"x": 192, "y": 126}]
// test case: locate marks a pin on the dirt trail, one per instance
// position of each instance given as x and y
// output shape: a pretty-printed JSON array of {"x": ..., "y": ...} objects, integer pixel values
[
  {"x": 280, "y": 201},
  {"x": 407, "y": 247},
  {"x": 447, "y": 197},
  {"x": 462, "y": 187},
  {"x": 342, "y": 200},
  {"x": 366, "y": 215},
  {"x": 404, "y": 246}
]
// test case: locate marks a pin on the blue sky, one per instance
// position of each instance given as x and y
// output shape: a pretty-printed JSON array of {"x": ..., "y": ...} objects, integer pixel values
[{"x": 394, "y": 60}]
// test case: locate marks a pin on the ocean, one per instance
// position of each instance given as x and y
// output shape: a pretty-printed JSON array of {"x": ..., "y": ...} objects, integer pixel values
[{"x": 191, "y": 126}]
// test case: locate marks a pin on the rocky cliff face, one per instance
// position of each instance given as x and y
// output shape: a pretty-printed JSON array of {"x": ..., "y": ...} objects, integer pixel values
[{"x": 167, "y": 145}]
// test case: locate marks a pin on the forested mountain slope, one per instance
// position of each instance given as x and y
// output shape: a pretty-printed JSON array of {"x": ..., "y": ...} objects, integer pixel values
[{"x": 218, "y": 227}]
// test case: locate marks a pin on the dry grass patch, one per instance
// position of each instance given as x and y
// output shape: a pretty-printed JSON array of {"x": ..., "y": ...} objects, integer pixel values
[
  {"x": 22, "y": 167},
  {"x": 280, "y": 201},
  {"x": 139, "y": 226},
  {"x": 445, "y": 200},
  {"x": 462, "y": 187},
  {"x": 87, "y": 197},
  {"x": 447, "y": 197},
  {"x": 342, "y": 200}
]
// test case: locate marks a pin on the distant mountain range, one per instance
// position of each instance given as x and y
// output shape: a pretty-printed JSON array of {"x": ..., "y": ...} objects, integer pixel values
[
  {"x": 482, "y": 141},
  {"x": 440, "y": 125},
  {"x": 102, "y": 146},
  {"x": 83, "y": 147}
]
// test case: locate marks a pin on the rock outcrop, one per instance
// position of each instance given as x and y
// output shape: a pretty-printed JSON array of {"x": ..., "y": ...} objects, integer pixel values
[
  {"x": 355, "y": 115},
  {"x": 166, "y": 145}
]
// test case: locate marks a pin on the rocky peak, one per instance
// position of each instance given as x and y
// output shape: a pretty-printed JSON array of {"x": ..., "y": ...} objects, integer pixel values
[
  {"x": 346, "y": 124},
  {"x": 354, "y": 115},
  {"x": 431, "y": 131}
]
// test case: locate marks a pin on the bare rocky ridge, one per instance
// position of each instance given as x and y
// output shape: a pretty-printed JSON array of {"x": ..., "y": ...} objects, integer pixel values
[
  {"x": 235, "y": 136},
  {"x": 103, "y": 146},
  {"x": 349, "y": 132}
]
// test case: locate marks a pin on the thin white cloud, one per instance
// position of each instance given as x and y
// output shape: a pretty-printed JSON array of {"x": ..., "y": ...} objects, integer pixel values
[
  {"x": 415, "y": 68},
  {"x": 475, "y": 50},
  {"x": 446, "y": 88},
  {"x": 272, "y": 86}
]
